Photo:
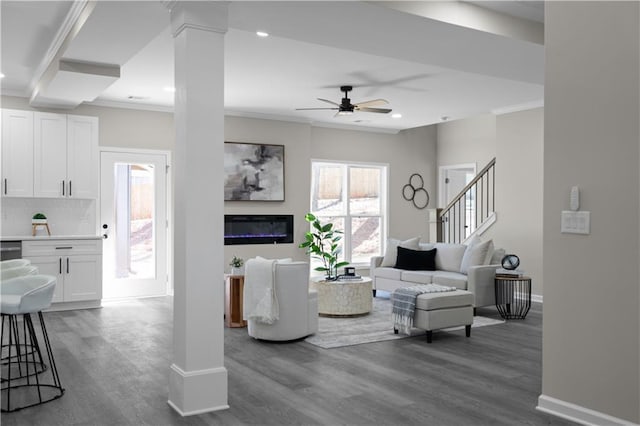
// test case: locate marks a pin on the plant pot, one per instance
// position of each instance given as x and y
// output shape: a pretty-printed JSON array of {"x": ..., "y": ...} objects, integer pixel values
[
  {"x": 237, "y": 270},
  {"x": 38, "y": 221}
]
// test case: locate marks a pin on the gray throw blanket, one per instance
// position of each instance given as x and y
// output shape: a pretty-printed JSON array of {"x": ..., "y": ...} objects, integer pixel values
[{"x": 404, "y": 303}]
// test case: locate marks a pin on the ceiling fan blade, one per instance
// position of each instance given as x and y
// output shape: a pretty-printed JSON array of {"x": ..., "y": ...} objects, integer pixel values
[
  {"x": 329, "y": 102},
  {"x": 373, "y": 102},
  {"x": 312, "y": 109},
  {"x": 380, "y": 110}
]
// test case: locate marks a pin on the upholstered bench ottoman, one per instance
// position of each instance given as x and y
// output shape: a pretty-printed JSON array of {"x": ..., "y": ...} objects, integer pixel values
[{"x": 443, "y": 310}]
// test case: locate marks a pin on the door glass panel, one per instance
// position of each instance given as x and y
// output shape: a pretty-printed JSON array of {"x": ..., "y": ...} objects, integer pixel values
[{"x": 134, "y": 221}]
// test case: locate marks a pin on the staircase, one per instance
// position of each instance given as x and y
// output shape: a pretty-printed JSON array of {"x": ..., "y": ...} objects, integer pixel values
[{"x": 473, "y": 210}]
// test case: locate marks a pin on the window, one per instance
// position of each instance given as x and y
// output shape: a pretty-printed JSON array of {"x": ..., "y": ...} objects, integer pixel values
[{"x": 354, "y": 198}]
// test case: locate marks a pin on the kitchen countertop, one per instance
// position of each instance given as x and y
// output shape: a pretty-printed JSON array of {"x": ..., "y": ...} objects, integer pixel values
[{"x": 47, "y": 237}]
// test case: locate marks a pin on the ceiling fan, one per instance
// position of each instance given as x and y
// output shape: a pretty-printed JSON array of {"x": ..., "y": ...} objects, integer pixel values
[{"x": 346, "y": 107}]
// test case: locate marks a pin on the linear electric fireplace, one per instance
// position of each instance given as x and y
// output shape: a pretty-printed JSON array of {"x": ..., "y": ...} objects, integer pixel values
[{"x": 257, "y": 229}]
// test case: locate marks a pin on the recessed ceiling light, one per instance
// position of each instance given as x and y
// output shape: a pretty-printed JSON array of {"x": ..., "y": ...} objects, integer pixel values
[
  {"x": 137, "y": 98},
  {"x": 169, "y": 89},
  {"x": 396, "y": 115},
  {"x": 444, "y": 118},
  {"x": 262, "y": 34}
]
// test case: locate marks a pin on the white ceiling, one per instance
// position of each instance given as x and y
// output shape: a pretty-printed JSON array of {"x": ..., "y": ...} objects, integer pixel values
[{"x": 426, "y": 68}]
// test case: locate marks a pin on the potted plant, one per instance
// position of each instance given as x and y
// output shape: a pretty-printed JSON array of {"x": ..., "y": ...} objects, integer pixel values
[
  {"x": 322, "y": 244},
  {"x": 39, "y": 219},
  {"x": 236, "y": 265}
]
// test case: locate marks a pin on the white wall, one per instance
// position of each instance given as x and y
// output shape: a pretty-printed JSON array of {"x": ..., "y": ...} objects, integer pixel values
[
  {"x": 470, "y": 140},
  {"x": 519, "y": 165},
  {"x": 591, "y": 303}
]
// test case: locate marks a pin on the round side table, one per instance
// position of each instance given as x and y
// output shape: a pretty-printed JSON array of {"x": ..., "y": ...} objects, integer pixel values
[
  {"x": 344, "y": 298},
  {"x": 513, "y": 296}
]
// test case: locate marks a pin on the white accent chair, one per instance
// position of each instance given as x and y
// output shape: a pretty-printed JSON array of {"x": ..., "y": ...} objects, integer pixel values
[{"x": 298, "y": 307}]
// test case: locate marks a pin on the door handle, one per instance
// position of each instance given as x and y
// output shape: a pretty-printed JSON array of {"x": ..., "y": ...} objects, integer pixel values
[
  {"x": 63, "y": 188},
  {"x": 67, "y": 265},
  {"x": 70, "y": 193},
  {"x": 60, "y": 265},
  {"x": 5, "y": 186},
  {"x": 105, "y": 227}
]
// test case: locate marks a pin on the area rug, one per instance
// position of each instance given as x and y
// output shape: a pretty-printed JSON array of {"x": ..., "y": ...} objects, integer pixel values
[{"x": 375, "y": 327}]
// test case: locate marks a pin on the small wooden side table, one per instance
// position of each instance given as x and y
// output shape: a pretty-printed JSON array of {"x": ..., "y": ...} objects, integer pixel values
[
  {"x": 513, "y": 296},
  {"x": 234, "y": 294}
]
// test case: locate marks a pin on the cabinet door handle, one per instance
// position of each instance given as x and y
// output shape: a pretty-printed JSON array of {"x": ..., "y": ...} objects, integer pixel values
[
  {"x": 63, "y": 188},
  {"x": 5, "y": 186},
  {"x": 64, "y": 248},
  {"x": 60, "y": 263},
  {"x": 67, "y": 265},
  {"x": 70, "y": 194}
]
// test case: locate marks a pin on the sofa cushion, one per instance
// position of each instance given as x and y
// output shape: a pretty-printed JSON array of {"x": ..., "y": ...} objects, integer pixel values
[
  {"x": 416, "y": 260},
  {"x": 449, "y": 256},
  {"x": 420, "y": 277},
  {"x": 477, "y": 253},
  {"x": 447, "y": 299},
  {"x": 391, "y": 252},
  {"x": 455, "y": 279},
  {"x": 384, "y": 272}
]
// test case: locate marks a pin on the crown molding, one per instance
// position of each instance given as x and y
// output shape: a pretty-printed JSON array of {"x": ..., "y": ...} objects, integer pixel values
[{"x": 519, "y": 107}]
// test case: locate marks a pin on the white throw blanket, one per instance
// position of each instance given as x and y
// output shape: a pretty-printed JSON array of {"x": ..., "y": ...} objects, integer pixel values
[
  {"x": 260, "y": 303},
  {"x": 404, "y": 303}
]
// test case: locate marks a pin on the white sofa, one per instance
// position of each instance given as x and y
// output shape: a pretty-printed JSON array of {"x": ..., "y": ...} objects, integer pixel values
[{"x": 474, "y": 272}]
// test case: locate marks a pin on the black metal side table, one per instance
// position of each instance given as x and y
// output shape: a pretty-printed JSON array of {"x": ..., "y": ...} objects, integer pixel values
[{"x": 513, "y": 296}]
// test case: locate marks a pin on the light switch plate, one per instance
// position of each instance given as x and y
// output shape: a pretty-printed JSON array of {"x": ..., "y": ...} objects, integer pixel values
[{"x": 576, "y": 222}]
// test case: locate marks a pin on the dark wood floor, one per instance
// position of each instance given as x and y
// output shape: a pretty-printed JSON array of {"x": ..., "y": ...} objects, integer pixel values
[{"x": 114, "y": 363}]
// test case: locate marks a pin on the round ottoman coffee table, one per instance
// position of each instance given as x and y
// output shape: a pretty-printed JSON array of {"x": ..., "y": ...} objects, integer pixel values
[{"x": 345, "y": 297}]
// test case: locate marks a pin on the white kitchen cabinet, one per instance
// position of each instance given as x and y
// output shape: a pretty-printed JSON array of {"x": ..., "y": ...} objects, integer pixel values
[
  {"x": 50, "y": 155},
  {"x": 77, "y": 265},
  {"x": 17, "y": 153},
  {"x": 65, "y": 156},
  {"x": 82, "y": 156}
]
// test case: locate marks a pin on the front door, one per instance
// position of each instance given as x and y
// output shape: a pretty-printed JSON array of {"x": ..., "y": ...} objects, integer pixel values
[{"x": 133, "y": 203}]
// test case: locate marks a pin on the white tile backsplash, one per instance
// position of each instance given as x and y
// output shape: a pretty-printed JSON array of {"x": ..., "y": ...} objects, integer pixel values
[{"x": 66, "y": 216}]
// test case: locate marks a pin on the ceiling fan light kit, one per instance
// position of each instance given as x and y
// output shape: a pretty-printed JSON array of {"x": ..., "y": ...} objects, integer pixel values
[{"x": 345, "y": 107}]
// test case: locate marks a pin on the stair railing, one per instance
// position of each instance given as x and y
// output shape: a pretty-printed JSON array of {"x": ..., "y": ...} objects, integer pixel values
[{"x": 469, "y": 209}]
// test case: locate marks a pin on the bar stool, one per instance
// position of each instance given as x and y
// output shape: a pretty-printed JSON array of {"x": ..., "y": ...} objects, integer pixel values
[{"x": 23, "y": 296}]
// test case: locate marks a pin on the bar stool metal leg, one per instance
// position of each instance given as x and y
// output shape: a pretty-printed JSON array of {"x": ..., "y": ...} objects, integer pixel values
[{"x": 32, "y": 387}]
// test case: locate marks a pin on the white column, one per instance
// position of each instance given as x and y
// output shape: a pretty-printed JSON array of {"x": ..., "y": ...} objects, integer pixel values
[{"x": 198, "y": 378}]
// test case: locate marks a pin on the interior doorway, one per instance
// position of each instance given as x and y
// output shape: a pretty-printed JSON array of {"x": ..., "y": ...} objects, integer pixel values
[
  {"x": 452, "y": 179},
  {"x": 133, "y": 220}
]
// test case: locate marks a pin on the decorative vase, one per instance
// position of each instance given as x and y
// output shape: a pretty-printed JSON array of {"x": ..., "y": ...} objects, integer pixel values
[{"x": 239, "y": 270}]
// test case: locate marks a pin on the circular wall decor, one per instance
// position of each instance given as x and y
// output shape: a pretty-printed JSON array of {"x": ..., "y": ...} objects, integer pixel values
[{"x": 414, "y": 191}]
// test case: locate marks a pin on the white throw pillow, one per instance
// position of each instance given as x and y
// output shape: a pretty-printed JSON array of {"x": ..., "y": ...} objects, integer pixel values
[
  {"x": 449, "y": 256},
  {"x": 496, "y": 257},
  {"x": 391, "y": 252},
  {"x": 477, "y": 253}
]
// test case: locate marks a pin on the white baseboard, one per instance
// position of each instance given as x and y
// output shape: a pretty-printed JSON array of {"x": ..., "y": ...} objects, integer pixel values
[{"x": 577, "y": 413}]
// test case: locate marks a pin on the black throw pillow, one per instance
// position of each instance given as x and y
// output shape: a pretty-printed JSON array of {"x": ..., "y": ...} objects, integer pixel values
[{"x": 416, "y": 260}]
